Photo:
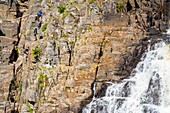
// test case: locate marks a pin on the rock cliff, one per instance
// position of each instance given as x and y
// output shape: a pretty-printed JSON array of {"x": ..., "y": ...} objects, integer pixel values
[{"x": 80, "y": 43}]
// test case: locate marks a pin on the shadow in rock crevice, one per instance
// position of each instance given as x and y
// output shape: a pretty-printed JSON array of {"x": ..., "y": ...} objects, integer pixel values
[{"x": 2, "y": 33}]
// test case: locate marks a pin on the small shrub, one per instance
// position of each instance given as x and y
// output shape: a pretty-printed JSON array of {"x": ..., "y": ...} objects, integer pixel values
[
  {"x": 37, "y": 52},
  {"x": 44, "y": 34},
  {"x": 41, "y": 85},
  {"x": 65, "y": 14},
  {"x": 42, "y": 79},
  {"x": 89, "y": 28},
  {"x": 52, "y": 37},
  {"x": 61, "y": 9},
  {"x": 16, "y": 48},
  {"x": 72, "y": 43},
  {"x": 119, "y": 6},
  {"x": 29, "y": 108},
  {"x": 44, "y": 27}
]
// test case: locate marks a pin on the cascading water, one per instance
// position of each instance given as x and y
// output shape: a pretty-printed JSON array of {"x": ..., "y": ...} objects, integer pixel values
[{"x": 146, "y": 91}]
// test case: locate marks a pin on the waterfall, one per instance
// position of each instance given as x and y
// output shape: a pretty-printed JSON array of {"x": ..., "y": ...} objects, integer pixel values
[{"x": 147, "y": 90}]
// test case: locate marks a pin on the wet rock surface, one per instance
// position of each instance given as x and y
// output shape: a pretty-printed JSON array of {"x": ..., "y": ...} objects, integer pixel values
[{"x": 79, "y": 43}]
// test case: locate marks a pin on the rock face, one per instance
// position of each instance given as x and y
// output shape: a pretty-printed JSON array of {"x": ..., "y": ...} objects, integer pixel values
[
  {"x": 167, "y": 10},
  {"x": 79, "y": 43}
]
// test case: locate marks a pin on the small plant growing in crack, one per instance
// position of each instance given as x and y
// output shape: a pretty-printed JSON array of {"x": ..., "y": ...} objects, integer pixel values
[
  {"x": 119, "y": 6},
  {"x": 72, "y": 43},
  {"x": 36, "y": 53},
  {"x": 61, "y": 9},
  {"x": 44, "y": 27},
  {"x": 42, "y": 80},
  {"x": 89, "y": 28},
  {"x": 29, "y": 108}
]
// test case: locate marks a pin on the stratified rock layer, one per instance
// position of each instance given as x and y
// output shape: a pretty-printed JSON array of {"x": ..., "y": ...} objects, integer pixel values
[{"x": 79, "y": 43}]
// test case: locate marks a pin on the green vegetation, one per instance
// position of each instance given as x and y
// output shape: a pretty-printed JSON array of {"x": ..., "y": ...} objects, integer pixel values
[
  {"x": 20, "y": 87},
  {"x": 52, "y": 36},
  {"x": 16, "y": 48},
  {"x": 44, "y": 34},
  {"x": 61, "y": 9},
  {"x": 45, "y": 68},
  {"x": 41, "y": 85},
  {"x": 78, "y": 37},
  {"x": 73, "y": 2},
  {"x": 52, "y": 102},
  {"x": 72, "y": 43},
  {"x": 65, "y": 14},
  {"x": 49, "y": 5},
  {"x": 36, "y": 52},
  {"x": 81, "y": 30},
  {"x": 60, "y": 68},
  {"x": 119, "y": 6},
  {"x": 89, "y": 10},
  {"x": 29, "y": 108},
  {"x": 89, "y": 28},
  {"x": 15, "y": 53},
  {"x": 44, "y": 27},
  {"x": 42, "y": 79}
]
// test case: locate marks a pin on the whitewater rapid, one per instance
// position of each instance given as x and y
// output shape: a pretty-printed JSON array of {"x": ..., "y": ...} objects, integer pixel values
[{"x": 147, "y": 90}]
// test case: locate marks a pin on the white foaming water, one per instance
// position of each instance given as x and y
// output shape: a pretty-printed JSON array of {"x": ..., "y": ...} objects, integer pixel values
[{"x": 147, "y": 91}]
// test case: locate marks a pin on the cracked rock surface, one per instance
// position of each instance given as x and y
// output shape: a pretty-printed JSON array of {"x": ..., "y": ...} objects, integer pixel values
[{"x": 80, "y": 42}]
